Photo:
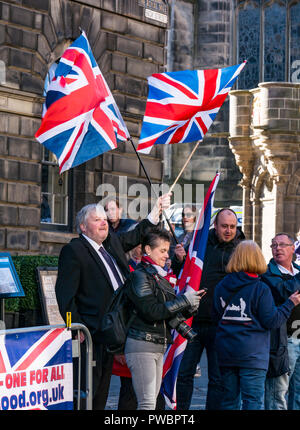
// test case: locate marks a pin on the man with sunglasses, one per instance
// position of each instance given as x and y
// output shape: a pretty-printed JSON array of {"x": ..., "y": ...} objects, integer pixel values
[
  {"x": 188, "y": 220},
  {"x": 283, "y": 278}
]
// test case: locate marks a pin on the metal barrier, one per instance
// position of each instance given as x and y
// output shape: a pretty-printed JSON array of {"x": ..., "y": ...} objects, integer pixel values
[{"x": 85, "y": 396}]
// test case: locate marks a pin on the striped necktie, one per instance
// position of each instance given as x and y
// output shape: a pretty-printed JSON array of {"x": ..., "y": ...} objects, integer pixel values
[{"x": 111, "y": 264}]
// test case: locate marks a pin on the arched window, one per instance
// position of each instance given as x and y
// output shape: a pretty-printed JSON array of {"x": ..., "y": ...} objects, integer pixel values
[
  {"x": 274, "y": 59},
  {"x": 56, "y": 188},
  {"x": 268, "y": 36},
  {"x": 248, "y": 22}
]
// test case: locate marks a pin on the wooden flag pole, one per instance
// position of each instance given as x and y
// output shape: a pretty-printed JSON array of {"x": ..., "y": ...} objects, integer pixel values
[
  {"x": 151, "y": 185},
  {"x": 185, "y": 164}
]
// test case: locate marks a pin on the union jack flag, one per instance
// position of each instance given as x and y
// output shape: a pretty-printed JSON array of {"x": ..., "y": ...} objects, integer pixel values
[
  {"x": 36, "y": 370},
  {"x": 182, "y": 105},
  {"x": 190, "y": 277},
  {"x": 81, "y": 119}
]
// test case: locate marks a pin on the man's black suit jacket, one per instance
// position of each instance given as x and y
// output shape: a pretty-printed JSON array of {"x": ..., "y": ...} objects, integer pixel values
[{"x": 83, "y": 286}]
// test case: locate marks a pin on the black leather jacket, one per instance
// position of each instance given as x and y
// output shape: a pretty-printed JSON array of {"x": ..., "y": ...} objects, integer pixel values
[{"x": 155, "y": 303}]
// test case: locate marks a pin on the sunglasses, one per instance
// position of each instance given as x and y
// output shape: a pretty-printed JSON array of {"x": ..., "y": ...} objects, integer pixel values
[{"x": 188, "y": 215}]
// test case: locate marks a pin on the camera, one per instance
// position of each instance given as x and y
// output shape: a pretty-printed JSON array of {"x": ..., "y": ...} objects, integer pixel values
[{"x": 179, "y": 324}]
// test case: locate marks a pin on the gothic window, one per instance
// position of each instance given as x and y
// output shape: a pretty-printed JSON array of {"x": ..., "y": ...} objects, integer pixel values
[
  {"x": 274, "y": 42},
  {"x": 249, "y": 43}
]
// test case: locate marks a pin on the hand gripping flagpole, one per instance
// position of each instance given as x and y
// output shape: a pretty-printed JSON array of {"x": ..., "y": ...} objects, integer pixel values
[{"x": 154, "y": 191}]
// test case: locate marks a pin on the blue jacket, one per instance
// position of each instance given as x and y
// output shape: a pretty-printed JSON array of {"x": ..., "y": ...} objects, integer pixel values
[
  {"x": 281, "y": 286},
  {"x": 243, "y": 332}
]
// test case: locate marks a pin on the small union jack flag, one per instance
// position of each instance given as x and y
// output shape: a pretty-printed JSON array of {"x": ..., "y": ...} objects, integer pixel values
[
  {"x": 36, "y": 370},
  {"x": 190, "y": 277},
  {"x": 182, "y": 105},
  {"x": 81, "y": 119}
]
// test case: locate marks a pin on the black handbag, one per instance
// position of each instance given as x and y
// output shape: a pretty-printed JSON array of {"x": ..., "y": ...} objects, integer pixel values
[{"x": 116, "y": 322}]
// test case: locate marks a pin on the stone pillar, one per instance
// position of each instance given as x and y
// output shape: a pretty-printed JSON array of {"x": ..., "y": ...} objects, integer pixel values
[{"x": 241, "y": 146}]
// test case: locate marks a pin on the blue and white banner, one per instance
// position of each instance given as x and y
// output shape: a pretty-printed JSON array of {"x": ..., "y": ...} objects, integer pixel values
[{"x": 36, "y": 370}]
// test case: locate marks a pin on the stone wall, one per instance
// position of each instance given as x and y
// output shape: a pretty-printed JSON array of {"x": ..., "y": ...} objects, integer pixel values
[
  {"x": 265, "y": 140},
  {"x": 33, "y": 33}
]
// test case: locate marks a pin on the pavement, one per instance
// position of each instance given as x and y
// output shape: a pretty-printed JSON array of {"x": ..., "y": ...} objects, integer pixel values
[{"x": 199, "y": 394}]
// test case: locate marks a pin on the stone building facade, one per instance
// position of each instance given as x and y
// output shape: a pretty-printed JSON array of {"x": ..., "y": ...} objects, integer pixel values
[
  {"x": 128, "y": 45},
  {"x": 250, "y": 141},
  {"x": 264, "y": 127},
  {"x": 265, "y": 140}
]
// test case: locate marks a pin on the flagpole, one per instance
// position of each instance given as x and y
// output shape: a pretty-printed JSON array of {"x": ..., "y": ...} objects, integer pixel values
[
  {"x": 185, "y": 164},
  {"x": 151, "y": 185}
]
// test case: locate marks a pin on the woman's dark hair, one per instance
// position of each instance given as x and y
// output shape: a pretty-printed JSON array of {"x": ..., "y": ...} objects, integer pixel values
[{"x": 152, "y": 236}]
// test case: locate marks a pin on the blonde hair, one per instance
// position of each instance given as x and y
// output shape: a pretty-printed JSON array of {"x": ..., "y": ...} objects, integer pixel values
[{"x": 247, "y": 257}]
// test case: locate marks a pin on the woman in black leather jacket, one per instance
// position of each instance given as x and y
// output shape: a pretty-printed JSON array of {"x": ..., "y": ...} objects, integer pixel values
[{"x": 155, "y": 303}]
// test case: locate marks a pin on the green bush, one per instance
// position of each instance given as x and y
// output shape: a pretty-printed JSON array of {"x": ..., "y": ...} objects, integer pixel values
[{"x": 25, "y": 266}]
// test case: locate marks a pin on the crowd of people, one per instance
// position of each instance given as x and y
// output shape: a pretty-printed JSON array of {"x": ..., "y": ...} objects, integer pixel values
[{"x": 245, "y": 314}]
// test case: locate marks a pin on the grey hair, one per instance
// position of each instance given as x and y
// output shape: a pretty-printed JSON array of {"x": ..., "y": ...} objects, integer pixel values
[
  {"x": 84, "y": 213},
  {"x": 291, "y": 238}
]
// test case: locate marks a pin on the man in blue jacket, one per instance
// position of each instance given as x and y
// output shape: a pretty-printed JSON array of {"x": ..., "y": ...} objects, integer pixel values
[{"x": 283, "y": 278}]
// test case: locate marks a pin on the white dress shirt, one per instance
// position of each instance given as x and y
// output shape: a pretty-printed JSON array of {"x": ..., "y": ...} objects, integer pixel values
[
  {"x": 96, "y": 247},
  {"x": 286, "y": 271}
]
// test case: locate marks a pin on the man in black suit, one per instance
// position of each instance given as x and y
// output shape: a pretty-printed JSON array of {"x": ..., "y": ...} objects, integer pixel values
[{"x": 90, "y": 268}]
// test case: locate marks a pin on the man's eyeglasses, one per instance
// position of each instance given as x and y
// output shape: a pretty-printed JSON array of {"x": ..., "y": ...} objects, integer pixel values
[{"x": 282, "y": 245}]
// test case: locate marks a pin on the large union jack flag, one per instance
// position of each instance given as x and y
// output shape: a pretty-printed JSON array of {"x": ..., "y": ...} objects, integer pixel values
[
  {"x": 190, "y": 277},
  {"x": 36, "y": 370},
  {"x": 182, "y": 105},
  {"x": 81, "y": 119}
]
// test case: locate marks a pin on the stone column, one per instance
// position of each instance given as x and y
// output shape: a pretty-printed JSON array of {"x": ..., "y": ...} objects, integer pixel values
[{"x": 241, "y": 146}]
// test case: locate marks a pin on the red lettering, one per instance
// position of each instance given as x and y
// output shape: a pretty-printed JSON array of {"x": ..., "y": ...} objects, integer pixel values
[
  {"x": 32, "y": 376},
  {"x": 8, "y": 380},
  {"x": 45, "y": 375},
  {"x": 17, "y": 379},
  {"x": 53, "y": 374}
]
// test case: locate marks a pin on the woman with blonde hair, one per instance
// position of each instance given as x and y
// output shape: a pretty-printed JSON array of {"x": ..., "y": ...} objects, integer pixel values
[{"x": 245, "y": 312}]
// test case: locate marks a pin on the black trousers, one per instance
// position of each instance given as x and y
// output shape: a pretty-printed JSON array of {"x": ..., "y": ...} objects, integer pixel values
[{"x": 101, "y": 377}]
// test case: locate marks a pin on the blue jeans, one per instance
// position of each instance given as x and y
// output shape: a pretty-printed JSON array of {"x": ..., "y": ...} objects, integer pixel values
[
  {"x": 294, "y": 363},
  {"x": 243, "y": 388},
  {"x": 275, "y": 392},
  {"x": 185, "y": 383}
]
